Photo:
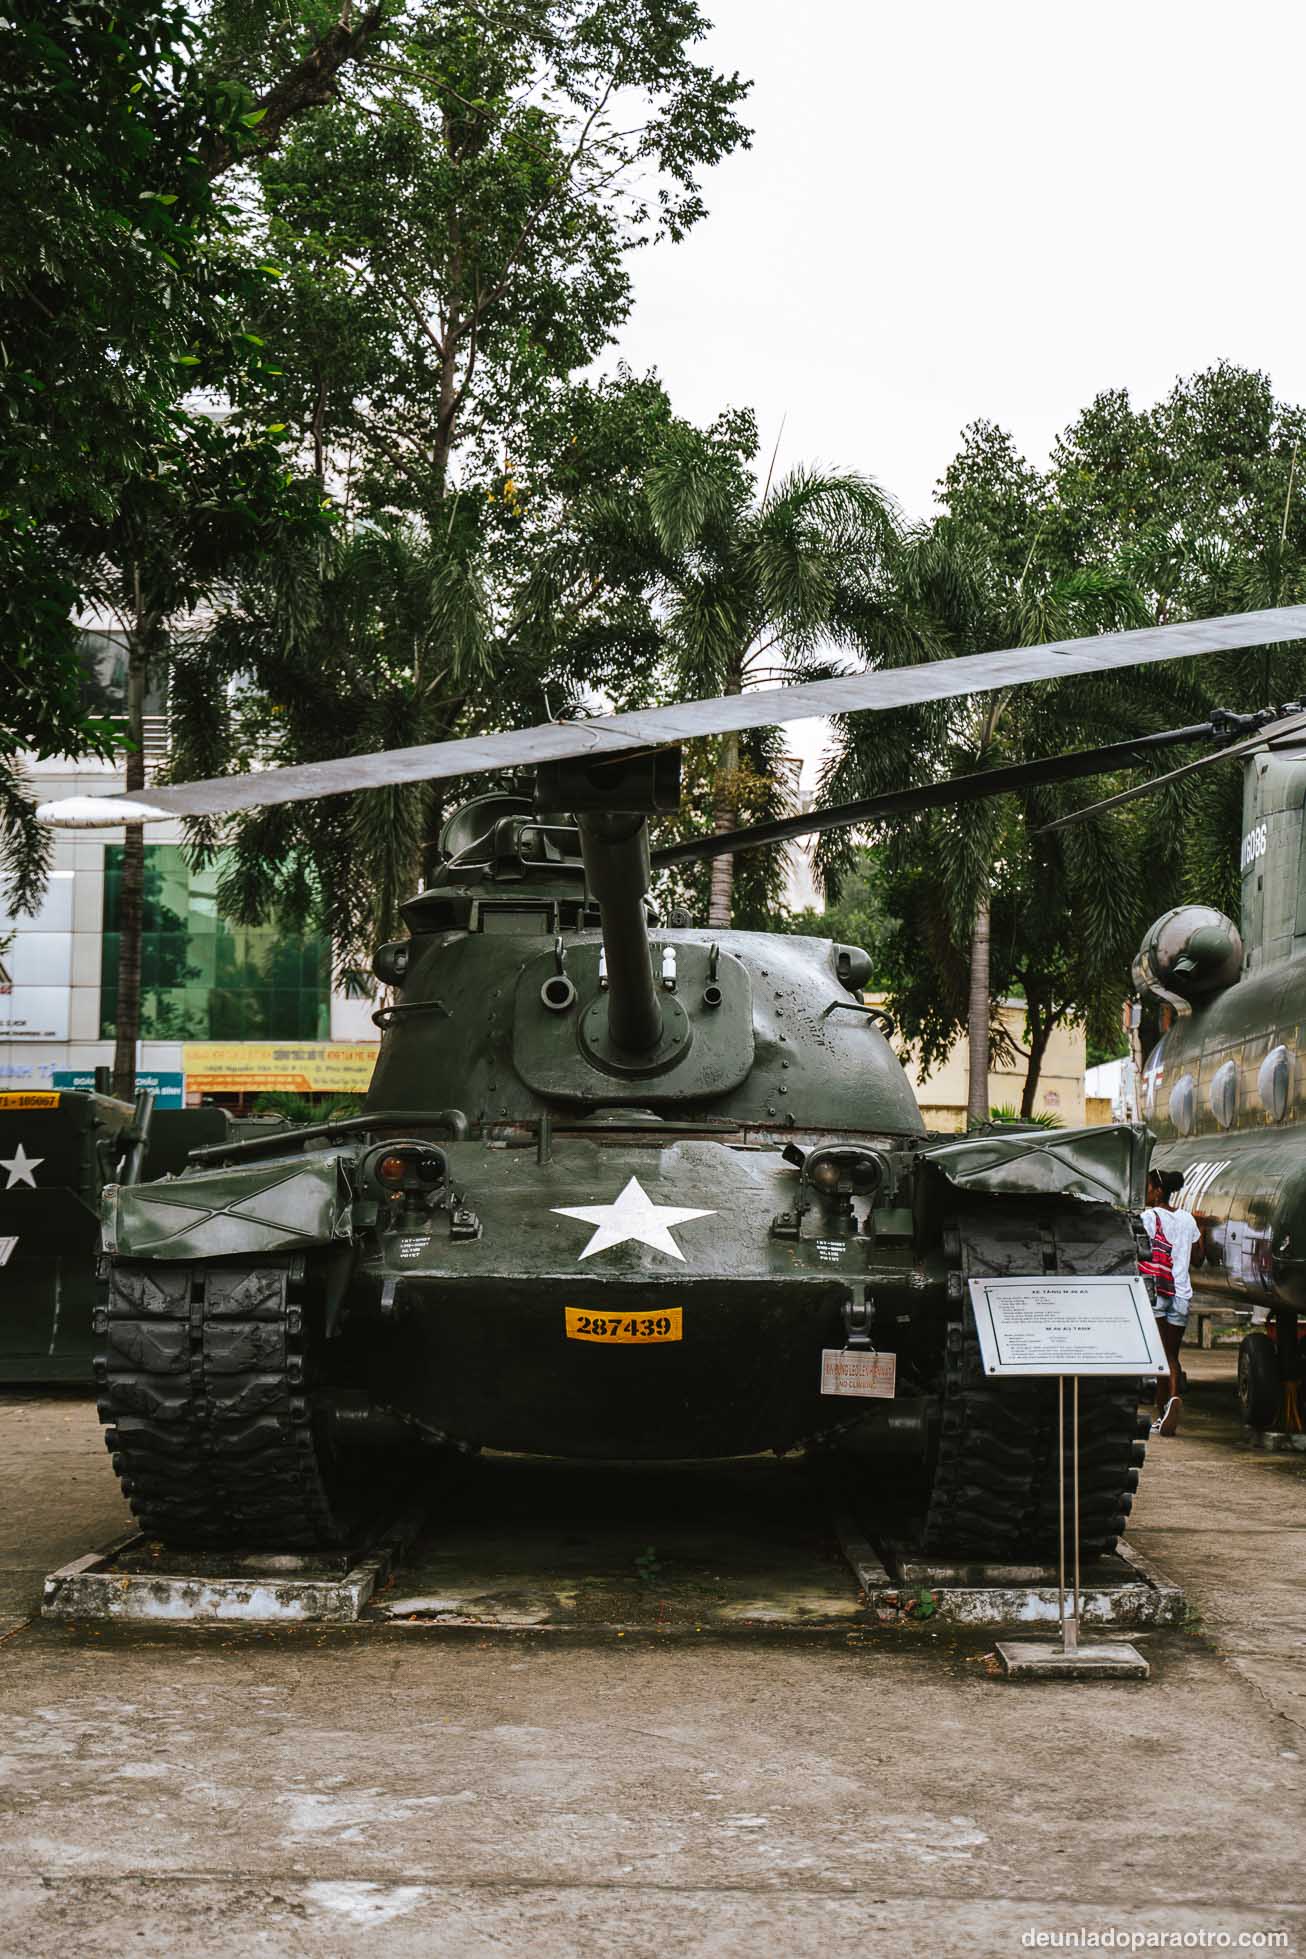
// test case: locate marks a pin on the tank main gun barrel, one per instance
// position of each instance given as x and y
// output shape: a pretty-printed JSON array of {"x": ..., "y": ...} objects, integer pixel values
[{"x": 614, "y": 845}]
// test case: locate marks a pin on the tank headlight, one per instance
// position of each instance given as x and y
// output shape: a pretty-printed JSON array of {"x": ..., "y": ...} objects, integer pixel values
[{"x": 391, "y": 1170}]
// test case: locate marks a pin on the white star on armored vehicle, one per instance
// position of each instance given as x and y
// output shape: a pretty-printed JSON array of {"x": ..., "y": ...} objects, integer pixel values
[
  {"x": 632, "y": 1216},
  {"x": 20, "y": 1167}
]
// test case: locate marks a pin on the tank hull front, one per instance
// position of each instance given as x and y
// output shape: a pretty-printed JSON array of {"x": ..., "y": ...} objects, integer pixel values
[
  {"x": 619, "y": 1301},
  {"x": 740, "y": 1373}
]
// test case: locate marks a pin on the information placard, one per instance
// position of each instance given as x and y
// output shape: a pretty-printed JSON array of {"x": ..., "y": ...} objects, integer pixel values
[{"x": 1052, "y": 1325}]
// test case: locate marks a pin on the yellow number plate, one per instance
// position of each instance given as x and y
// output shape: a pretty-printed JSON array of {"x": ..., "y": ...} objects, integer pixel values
[
  {"x": 624, "y": 1329},
  {"x": 30, "y": 1098}
]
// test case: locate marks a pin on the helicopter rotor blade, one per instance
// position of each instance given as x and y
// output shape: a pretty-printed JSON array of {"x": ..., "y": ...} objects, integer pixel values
[
  {"x": 930, "y": 795},
  {"x": 1273, "y": 731},
  {"x": 875, "y": 690}
]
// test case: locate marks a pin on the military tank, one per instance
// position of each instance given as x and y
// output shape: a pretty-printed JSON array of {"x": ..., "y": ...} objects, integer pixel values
[
  {"x": 620, "y": 1188},
  {"x": 59, "y": 1148},
  {"x": 617, "y": 1189}
]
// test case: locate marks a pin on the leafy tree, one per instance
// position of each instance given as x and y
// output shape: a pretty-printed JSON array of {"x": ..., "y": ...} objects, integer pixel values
[
  {"x": 454, "y": 235},
  {"x": 1203, "y": 498},
  {"x": 858, "y": 916},
  {"x": 121, "y": 286},
  {"x": 387, "y": 635},
  {"x": 215, "y": 500},
  {"x": 1186, "y": 509},
  {"x": 763, "y": 782}
]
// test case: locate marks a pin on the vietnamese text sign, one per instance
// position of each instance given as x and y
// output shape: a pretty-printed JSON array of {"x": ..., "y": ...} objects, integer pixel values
[
  {"x": 1066, "y": 1326},
  {"x": 169, "y": 1087},
  {"x": 856, "y": 1371},
  {"x": 302, "y": 1067}
]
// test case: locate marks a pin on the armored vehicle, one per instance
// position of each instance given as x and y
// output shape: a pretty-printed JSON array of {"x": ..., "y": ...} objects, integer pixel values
[
  {"x": 59, "y": 1148},
  {"x": 620, "y": 1190}
]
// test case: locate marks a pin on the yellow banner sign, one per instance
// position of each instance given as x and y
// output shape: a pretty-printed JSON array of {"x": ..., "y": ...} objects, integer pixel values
[
  {"x": 309, "y": 1068},
  {"x": 29, "y": 1098}
]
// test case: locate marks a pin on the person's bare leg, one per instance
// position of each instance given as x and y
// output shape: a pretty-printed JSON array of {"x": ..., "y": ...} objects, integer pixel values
[{"x": 1171, "y": 1340}]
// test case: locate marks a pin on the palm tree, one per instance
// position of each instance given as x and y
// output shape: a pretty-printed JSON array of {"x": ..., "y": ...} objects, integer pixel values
[
  {"x": 755, "y": 590},
  {"x": 961, "y": 601}
]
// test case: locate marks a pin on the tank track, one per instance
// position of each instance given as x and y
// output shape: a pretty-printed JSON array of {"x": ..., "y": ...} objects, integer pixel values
[
  {"x": 994, "y": 1494},
  {"x": 204, "y": 1375}
]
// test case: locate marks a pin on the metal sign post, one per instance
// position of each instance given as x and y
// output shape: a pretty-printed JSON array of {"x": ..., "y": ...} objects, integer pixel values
[
  {"x": 1068, "y": 1327},
  {"x": 1069, "y": 1621}
]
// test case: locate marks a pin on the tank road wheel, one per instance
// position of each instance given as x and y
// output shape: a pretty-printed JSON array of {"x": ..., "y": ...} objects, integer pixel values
[
  {"x": 1260, "y": 1389},
  {"x": 994, "y": 1490},
  {"x": 206, "y": 1376}
]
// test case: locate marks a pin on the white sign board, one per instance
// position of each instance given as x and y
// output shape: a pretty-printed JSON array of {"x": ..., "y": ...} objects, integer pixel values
[{"x": 1067, "y": 1326}]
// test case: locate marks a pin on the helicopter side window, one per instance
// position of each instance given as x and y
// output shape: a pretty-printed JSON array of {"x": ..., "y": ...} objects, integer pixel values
[
  {"x": 1183, "y": 1105},
  {"x": 1153, "y": 1074},
  {"x": 1223, "y": 1094},
  {"x": 1274, "y": 1083}
]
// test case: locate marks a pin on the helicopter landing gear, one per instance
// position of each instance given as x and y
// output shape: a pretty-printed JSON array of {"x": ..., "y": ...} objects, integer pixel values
[
  {"x": 1259, "y": 1388},
  {"x": 1269, "y": 1376}
]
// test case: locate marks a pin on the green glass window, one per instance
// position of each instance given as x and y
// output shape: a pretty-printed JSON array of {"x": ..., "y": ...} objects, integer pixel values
[{"x": 203, "y": 978}]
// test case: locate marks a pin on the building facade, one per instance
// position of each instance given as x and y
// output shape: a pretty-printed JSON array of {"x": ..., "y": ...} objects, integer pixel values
[
  {"x": 942, "y": 1092},
  {"x": 228, "y": 1012}
]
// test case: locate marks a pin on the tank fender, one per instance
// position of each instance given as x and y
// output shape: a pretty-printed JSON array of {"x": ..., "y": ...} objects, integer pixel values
[
  {"x": 1098, "y": 1165},
  {"x": 282, "y": 1204}
]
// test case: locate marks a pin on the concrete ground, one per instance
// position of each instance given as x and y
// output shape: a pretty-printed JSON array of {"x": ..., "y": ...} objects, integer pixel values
[{"x": 328, "y": 1792}]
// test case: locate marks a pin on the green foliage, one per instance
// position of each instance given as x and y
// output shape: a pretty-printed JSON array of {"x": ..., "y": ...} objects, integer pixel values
[
  {"x": 753, "y": 590},
  {"x": 301, "y": 1110},
  {"x": 454, "y": 238},
  {"x": 1039, "y": 1119},
  {"x": 112, "y": 299},
  {"x": 761, "y": 787},
  {"x": 1062, "y": 907},
  {"x": 122, "y": 286},
  {"x": 858, "y": 916},
  {"x": 1202, "y": 499},
  {"x": 1193, "y": 507},
  {"x": 452, "y": 234}
]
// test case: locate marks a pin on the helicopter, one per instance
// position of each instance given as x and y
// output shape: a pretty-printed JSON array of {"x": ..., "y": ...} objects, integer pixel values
[
  {"x": 620, "y": 1189},
  {"x": 1222, "y": 1088}
]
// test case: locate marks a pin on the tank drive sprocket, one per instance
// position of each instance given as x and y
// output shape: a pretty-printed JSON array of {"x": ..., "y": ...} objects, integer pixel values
[
  {"x": 207, "y": 1374},
  {"x": 994, "y": 1492}
]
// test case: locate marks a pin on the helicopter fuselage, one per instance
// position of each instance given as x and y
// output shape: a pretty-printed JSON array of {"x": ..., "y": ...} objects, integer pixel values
[{"x": 1223, "y": 1089}]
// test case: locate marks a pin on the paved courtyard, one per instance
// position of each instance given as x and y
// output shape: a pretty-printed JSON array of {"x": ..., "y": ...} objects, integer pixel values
[{"x": 334, "y": 1791}]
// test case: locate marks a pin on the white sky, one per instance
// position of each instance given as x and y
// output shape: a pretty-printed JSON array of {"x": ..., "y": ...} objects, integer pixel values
[{"x": 995, "y": 210}]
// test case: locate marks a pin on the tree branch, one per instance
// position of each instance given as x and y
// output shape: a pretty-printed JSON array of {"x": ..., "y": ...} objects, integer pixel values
[{"x": 310, "y": 84}]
